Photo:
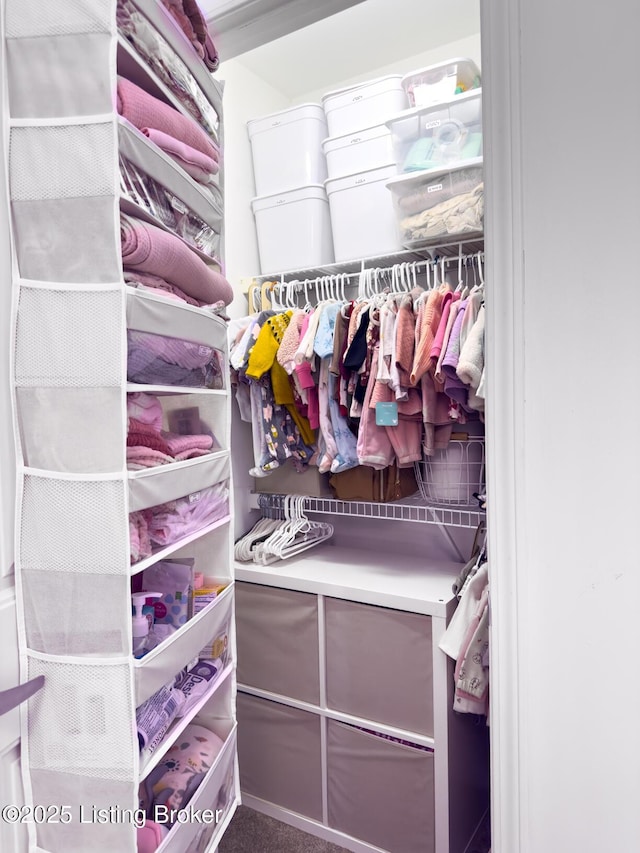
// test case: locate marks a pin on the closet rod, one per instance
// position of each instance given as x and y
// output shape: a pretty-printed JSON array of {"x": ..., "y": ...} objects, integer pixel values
[{"x": 298, "y": 284}]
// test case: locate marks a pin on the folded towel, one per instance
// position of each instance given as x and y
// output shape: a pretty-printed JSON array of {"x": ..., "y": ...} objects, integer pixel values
[
  {"x": 194, "y": 162},
  {"x": 139, "y": 534},
  {"x": 150, "y": 249},
  {"x": 144, "y": 110}
]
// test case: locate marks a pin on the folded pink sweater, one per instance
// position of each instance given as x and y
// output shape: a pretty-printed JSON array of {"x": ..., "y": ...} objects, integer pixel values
[
  {"x": 150, "y": 249},
  {"x": 144, "y": 110},
  {"x": 194, "y": 162}
]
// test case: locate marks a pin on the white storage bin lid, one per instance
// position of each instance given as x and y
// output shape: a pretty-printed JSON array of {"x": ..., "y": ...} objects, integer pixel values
[
  {"x": 453, "y": 101},
  {"x": 357, "y": 179},
  {"x": 335, "y": 143},
  {"x": 403, "y": 184},
  {"x": 440, "y": 70},
  {"x": 370, "y": 88},
  {"x": 292, "y": 114},
  {"x": 264, "y": 202}
]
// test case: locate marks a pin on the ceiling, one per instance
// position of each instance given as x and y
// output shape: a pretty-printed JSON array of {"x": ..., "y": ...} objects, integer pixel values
[{"x": 280, "y": 36}]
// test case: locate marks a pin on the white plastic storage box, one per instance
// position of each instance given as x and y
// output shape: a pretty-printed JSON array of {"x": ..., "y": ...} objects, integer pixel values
[
  {"x": 440, "y": 135},
  {"x": 362, "y": 215},
  {"x": 286, "y": 148},
  {"x": 358, "y": 151},
  {"x": 294, "y": 229},
  {"x": 365, "y": 105},
  {"x": 441, "y": 82},
  {"x": 438, "y": 204}
]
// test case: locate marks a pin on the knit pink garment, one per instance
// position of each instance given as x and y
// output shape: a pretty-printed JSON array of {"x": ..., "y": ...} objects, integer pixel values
[
  {"x": 145, "y": 408},
  {"x": 159, "y": 286},
  {"x": 425, "y": 334},
  {"x": 178, "y": 444},
  {"x": 150, "y": 249},
  {"x": 194, "y": 162},
  {"x": 187, "y": 354},
  {"x": 146, "y": 457},
  {"x": 188, "y": 514},
  {"x": 144, "y": 110}
]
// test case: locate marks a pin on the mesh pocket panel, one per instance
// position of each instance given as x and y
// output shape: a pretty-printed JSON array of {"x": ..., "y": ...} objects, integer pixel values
[
  {"x": 80, "y": 722},
  {"x": 87, "y": 619},
  {"x": 69, "y": 338},
  {"x": 74, "y": 526},
  {"x": 57, "y": 17},
  {"x": 67, "y": 161}
]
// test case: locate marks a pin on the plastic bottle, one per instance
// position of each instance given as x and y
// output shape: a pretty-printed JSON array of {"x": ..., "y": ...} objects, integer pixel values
[{"x": 140, "y": 623}]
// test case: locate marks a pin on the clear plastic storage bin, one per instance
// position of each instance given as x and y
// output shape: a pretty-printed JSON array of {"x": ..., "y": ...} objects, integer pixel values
[
  {"x": 431, "y": 206},
  {"x": 439, "y": 135},
  {"x": 440, "y": 82},
  {"x": 364, "y": 105},
  {"x": 286, "y": 149}
]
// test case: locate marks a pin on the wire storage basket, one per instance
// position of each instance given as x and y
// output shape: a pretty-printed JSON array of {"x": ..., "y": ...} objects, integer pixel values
[{"x": 452, "y": 476}]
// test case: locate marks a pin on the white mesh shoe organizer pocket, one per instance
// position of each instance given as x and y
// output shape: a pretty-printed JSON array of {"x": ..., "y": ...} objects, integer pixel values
[
  {"x": 81, "y": 751},
  {"x": 73, "y": 430},
  {"x": 58, "y": 57},
  {"x": 73, "y": 525},
  {"x": 68, "y": 613},
  {"x": 63, "y": 218}
]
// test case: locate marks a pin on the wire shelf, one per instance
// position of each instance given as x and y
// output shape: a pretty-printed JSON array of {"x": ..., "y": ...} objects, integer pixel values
[
  {"x": 453, "y": 476},
  {"x": 407, "y": 509}
]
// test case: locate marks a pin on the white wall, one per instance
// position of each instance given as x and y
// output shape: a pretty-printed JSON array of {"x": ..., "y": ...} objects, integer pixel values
[
  {"x": 563, "y": 319},
  {"x": 468, "y": 48},
  {"x": 246, "y": 96}
]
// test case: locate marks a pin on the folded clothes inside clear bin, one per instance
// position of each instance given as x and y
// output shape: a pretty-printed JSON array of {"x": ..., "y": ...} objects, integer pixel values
[
  {"x": 162, "y": 360},
  {"x": 167, "y": 208},
  {"x": 155, "y": 528}
]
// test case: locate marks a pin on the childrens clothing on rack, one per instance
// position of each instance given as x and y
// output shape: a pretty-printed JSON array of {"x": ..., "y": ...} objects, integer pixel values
[{"x": 316, "y": 376}]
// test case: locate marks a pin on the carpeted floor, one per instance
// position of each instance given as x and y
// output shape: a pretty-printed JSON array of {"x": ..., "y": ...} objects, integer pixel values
[{"x": 253, "y": 832}]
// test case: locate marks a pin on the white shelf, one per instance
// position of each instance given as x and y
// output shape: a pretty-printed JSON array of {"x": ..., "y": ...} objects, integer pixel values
[
  {"x": 416, "y": 584},
  {"x": 412, "y": 508},
  {"x": 179, "y": 725},
  {"x": 138, "y": 148},
  {"x": 141, "y": 565},
  {"x": 173, "y": 389},
  {"x": 153, "y": 486},
  {"x": 448, "y": 247},
  {"x": 150, "y": 671}
]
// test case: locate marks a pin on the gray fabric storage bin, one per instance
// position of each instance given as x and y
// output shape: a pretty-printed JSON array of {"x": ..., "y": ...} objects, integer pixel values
[
  {"x": 279, "y": 754},
  {"x": 277, "y": 640},
  {"x": 380, "y": 664},
  {"x": 380, "y": 791}
]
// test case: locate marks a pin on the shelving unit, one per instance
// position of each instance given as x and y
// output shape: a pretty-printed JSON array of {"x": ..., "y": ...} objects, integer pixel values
[
  {"x": 342, "y": 685},
  {"x": 75, "y": 494}
]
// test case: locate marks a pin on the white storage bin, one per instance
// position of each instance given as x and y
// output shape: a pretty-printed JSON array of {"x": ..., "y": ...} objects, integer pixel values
[
  {"x": 355, "y": 152},
  {"x": 362, "y": 216},
  {"x": 439, "y": 135},
  {"x": 286, "y": 148},
  {"x": 432, "y": 206},
  {"x": 440, "y": 82},
  {"x": 365, "y": 105},
  {"x": 294, "y": 229}
]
